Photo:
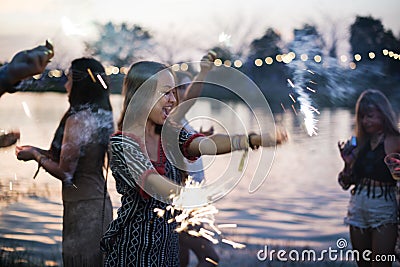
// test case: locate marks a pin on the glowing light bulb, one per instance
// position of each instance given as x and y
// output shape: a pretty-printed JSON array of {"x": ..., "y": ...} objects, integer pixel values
[
  {"x": 304, "y": 57},
  {"x": 238, "y": 63},
  {"x": 258, "y": 62},
  {"x": 269, "y": 60},
  {"x": 357, "y": 57}
]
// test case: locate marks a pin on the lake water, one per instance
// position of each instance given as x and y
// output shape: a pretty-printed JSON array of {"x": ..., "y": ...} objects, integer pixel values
[{"x": 299, "y": 204}]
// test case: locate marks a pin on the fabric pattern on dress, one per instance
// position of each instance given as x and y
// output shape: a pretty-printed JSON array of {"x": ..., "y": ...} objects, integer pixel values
[{"x": 138, "y": 237}]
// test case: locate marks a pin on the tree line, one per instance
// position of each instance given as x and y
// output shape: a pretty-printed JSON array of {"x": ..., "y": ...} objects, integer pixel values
[{"x": 282, "y": 70}]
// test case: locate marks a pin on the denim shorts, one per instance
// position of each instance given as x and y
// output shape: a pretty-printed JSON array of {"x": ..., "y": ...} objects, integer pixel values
[{"x": 368, "y": 212}]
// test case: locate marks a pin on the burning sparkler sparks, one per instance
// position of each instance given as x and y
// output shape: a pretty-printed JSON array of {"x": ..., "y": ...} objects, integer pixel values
[
  {"x": 224, "y": 39},
  {"x": 191, "y": 220},
  {"x": 26, "y": 109},
  {"x": 305, "y": 108},
  {"x": 212, "y": 261}
]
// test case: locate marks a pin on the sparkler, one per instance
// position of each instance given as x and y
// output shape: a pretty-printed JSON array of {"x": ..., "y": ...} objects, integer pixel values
[
  {"x": 191, "y": 220},
  {"x": 26, "y": 109},
  {"x": 305, "y": 108},
  {"x": 294, "y": 110},
  {"x": 212, "y": 261},
  {"x": 283, "y": 107},
  {"x": 224, "y": 39}
]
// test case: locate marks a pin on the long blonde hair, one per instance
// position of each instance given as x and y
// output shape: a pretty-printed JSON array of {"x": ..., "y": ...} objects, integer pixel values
[{"x": 374, "y": 98}]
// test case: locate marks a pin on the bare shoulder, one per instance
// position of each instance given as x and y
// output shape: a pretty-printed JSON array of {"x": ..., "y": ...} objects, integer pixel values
[
  {"x": 77, "y": 119},
  {"x": 79, "y": 127}
]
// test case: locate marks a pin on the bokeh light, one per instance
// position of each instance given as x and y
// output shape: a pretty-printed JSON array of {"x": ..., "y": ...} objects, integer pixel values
[
  {"x": 371, "y": 55},
  {"x": 317, "y": 58},
  {"x": 269, "y": 60},
  {"x": 304, "y": 57},
  {"x": 238, "y": 63},
  {"x": 258, "y": 62},
  {"x": 218, "y": 62}
]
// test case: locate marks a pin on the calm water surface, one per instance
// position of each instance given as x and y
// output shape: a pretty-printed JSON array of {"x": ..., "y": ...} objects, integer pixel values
[{"x": 300, "y": 202}]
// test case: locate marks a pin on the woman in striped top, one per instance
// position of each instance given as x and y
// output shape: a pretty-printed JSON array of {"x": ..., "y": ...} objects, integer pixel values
[{"x": 145, "y": 176}]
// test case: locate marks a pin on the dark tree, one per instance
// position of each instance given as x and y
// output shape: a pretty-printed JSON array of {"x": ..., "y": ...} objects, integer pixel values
[
  {"x": 120, "y": 45},
  {"x": 369, "y": 35},
  {"x": 270, "y": 78}
]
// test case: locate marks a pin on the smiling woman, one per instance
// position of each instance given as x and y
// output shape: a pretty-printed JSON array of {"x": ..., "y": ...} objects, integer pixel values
[
  {"x": 149, "y": 239},
  {"x": 165, "y": 87},
  {"x": 146, "y": 177}
]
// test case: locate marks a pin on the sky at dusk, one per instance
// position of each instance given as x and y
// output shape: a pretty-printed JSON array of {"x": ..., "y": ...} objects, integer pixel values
[{"x": 27, "y": 23}]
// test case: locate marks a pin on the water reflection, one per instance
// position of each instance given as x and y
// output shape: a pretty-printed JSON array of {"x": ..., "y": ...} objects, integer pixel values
[{"x": 300, "y": 203}]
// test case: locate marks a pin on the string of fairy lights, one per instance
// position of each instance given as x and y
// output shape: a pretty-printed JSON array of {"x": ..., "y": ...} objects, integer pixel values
[{"x": 259, "y": 62}]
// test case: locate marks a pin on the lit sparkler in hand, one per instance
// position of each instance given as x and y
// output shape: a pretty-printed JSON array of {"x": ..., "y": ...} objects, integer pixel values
[{"x": 192, "y": 220}]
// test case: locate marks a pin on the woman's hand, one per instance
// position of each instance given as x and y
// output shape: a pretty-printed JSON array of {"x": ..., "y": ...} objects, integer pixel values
[
  {"x": 26, "y": 153},
  {"x": 392, "y": 161},
  {"x": 207, "y": 62},
  {"x": 281, "y": 135},
  {"x": 347, "y": 151},
  {"x": 30, "y": 62},
  {"x": 9, "y": 138},
  {"x": 267, "y": 140},
  {"x": 208, "y": 132}
]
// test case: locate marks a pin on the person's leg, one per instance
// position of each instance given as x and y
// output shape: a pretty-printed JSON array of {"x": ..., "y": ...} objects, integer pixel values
[
  {"x": 204, "y": 250},
  {"x": 383, "y": 243},
  {"x": 397, "y": 247},
  {"x": 184, "y": 249},
  {"x": 361, "y": 240}
]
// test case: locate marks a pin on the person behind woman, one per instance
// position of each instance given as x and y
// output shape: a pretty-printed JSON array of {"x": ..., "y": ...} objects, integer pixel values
[
  {"x": 138, "y": 236},
  {"x": 76, "y": 157},
  {"x": 189, "y": 89},
  {"x": 372, "y": 211}
]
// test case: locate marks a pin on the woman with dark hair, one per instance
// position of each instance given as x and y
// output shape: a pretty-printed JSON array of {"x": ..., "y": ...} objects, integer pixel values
[
  {"x": 145, "y": 177},
  {"x": 372, "y": 212},
  {"x": 77, "y": 157}
]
